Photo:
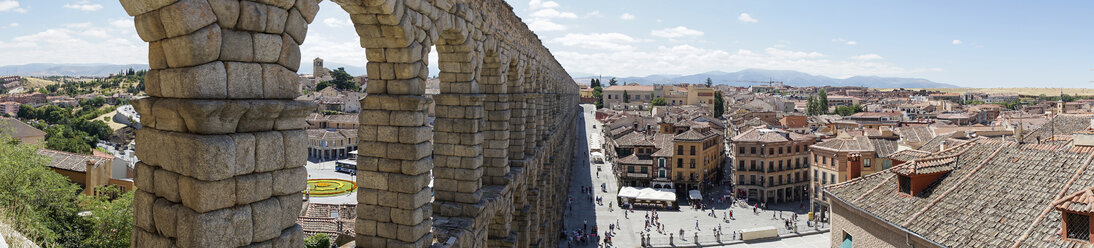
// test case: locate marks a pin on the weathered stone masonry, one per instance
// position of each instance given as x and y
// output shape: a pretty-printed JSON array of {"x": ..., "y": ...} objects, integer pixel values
[{"x": 222, "y": 149}]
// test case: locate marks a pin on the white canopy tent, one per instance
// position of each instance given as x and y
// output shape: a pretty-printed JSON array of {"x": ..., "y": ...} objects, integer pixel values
[{"x": 648, "y": 196}]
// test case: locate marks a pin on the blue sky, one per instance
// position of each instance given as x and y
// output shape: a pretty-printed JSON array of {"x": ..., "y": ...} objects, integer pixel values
[{"x": 967, "y": 43}]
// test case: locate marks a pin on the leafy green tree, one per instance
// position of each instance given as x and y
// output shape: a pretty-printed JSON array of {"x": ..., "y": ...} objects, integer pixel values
[
  {"x": 709, "y": 82},
  {"x": 626, "y": 97},
  {"x": 95, "y": 102},
  {"x": 849, "y": 110},
  {"x": 594, "y": 83},
  {"x": 343, "y": 81},
  {"x": 659, "y": 101},
  {"x": 38, "y": 202},
  {"x": 719, "y": 105},
  {"x": 110, "y": 223},
  {"x": 319, "y": 240},
  {"x": 612, "y": 82},
  {"x": 822, "y": 101},
  {"x": 811, "y": 106},
  {"x": 598, "y": 93},
  {"x": 322, "y": 85},
  {"x": 1067, "y": 98}
]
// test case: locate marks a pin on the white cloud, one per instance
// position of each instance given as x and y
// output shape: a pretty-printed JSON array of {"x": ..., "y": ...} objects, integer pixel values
[
  {"x": 11, "y": 5},
  {"x": 124, "y": 23},
  {"x": 538, "y": 4},
  {"x": 869, "y": 56},
  {"x": 77, "y": 25},
  {"x": 552, "y": 13},
  {"x": 848, "y": 42},
  {"x": 14, "y": 24},
  {"x": 84, "y": 6},
  {"x": 626, "y": 16},
  {"x": 956, "y": 42},
  {"x": 336, "y": 22},
  {"x": 540, "y": 24},
  {"x": 597, "y": 41},
  {"x": 677, "y": 32},
  {"x": 77, "y": 43},
  {"x": 688, "y": 59},
  {"x": 745, "y": 17},
  {"x": 595, "y": 13}
]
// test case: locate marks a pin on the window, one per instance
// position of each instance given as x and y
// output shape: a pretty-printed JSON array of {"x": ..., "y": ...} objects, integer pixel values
[
  {"x": 741, "y": 179},
  {"x": 692, "y": 150},
  {"x": 780, "y": 165},
  {"x": 693, "y": 163},
  {"x": 867, "y": 162},
  {"x": 679, "y": 150},
  {"x": 661, "y": 173},
  {"x": 630, "y": 169},
  {"x": 661, "y": 163},
  {"x": 691, "y": 176},
  {"x": 740, "y": 165},
  {"x": 753, "y": 165},
  {"x": 679, "y": 175},
  {"x": 797, "y": 149},
  {"x": 645, "y": 169},
  {"x": 814, "y": 174},
  {"x": 753, "y": 150},
  {"x": 741, "y": 150},
  {"x": 752, "y": 179},
  {"x": 846, "y": 241},
  {"x": 679, "y": 163},
  {"x": 905, "y": 184},
  {"x": 824, "y": 160},
  {"x": 824, "y": 177},
  {"x": 771, "y": 151},
  {"x": 770, "y": 166},
  {"x": 1078, "y": 226},
  {"x": 833, "y": 178},
  {"x": 770, "y": 180}
]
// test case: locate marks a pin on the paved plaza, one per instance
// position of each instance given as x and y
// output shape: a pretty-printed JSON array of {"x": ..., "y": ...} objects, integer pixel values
[
  {"x": 324, "y": 170},
  {"x": 693, "y": 222}
]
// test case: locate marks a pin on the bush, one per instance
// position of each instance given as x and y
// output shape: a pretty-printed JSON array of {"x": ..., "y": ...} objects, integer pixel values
[{"x": 319, "y": 240}]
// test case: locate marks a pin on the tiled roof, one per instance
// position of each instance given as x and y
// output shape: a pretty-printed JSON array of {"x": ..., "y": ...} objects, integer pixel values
[
  {"x": 853, "y": 144},
  {"x": 664, "y": 145},
  {"x": 914, "y": 135},
  {"x": 769, "y": 136},
  {"x": 1081, "y": 201},
  {"x": 633, "y": 139},
  {"x": 1059, "y": 125},
  {"x": 693, "y": 135},
  {"x": 18, "y": 129},
  {"x": 634, "y": 159},
  {"x": 996, "y": 194},
  {"x": 908, "y": 155},
  {"x": 883, "y": 147},
  {"x": 317, "y": 218},
  {"x": 70, "y": 161},
  {"x": 926, "y": 166},
  {"x": 934, "y": 144}
]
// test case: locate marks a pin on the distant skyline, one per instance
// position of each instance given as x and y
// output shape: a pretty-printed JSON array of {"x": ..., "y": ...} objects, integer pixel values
[{"x": 967, "y": 43}]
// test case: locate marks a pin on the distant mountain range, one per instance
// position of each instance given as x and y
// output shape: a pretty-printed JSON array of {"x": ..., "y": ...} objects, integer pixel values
[
  {"x": 759, "y": 76},
  {"x": 45, "y": 69},
  {"x": 741, "y": 78}
]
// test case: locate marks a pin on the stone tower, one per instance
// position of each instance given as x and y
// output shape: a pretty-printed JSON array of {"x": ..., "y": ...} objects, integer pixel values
[{"x": 317, "y": 67}]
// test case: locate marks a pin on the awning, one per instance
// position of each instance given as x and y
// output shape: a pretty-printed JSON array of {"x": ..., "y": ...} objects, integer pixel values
[
  {"x": 695, "y": 195},
  {"x": 628, "y": 192}
]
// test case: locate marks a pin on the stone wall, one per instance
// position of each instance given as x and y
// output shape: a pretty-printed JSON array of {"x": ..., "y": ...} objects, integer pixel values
[{"x": 222, "y": 149}]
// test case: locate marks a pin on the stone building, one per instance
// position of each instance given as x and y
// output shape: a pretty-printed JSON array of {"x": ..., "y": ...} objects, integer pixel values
[
  {"x": 771, "y": 165},
  {"x": 698, "y": 158},
  {"x": 223, "y": 142},
  {"x": 839, "y": 160}
]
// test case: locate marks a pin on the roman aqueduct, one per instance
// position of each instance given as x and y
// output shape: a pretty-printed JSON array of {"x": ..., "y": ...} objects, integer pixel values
[{"x": 223, "y": 145}]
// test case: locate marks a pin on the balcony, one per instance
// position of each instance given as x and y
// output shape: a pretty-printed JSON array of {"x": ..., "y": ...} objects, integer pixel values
[{"x": 636, "y": 175}]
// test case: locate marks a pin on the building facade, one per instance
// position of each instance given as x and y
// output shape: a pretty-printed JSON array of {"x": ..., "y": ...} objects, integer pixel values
[
  {"x": 698, "y": 156},
  {"x": 836, "y": 161},
  {"x": 771, "y": 165}
]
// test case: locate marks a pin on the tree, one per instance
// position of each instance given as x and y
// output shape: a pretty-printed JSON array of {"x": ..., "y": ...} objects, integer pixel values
[
  {"x": 709, "y": 83},
  {"x": 848, "y": 110},
  {"x": 719, "y": 105},
  {"x": 822, "y": 101},
  {"x": 36, "y": 201},
  {"x": 612, "y": 82},
  {"x": 658, "y": 101},
  {"x": 1067, "y": 98},
  {"x": 319, "y": 240},
  {"x": 593, "y": 83},
  {"x": 342, "y": 80},
  {"x": 626, "y": 97},
  {"x": 110, "y": 223},
  {"x": 322, "y": 85},
  {"x": 598, "y": 93}
]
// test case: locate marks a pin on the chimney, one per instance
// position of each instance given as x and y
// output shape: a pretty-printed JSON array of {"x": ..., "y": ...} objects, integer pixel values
[{"x": 854, "y": 166}]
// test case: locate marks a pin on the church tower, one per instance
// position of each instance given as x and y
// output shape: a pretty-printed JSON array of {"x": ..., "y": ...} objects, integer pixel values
[{"x": 317, "y": 67}]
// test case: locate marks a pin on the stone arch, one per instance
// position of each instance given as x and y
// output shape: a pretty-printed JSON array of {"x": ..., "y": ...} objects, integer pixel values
[{"x": 222, "y": 90}]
